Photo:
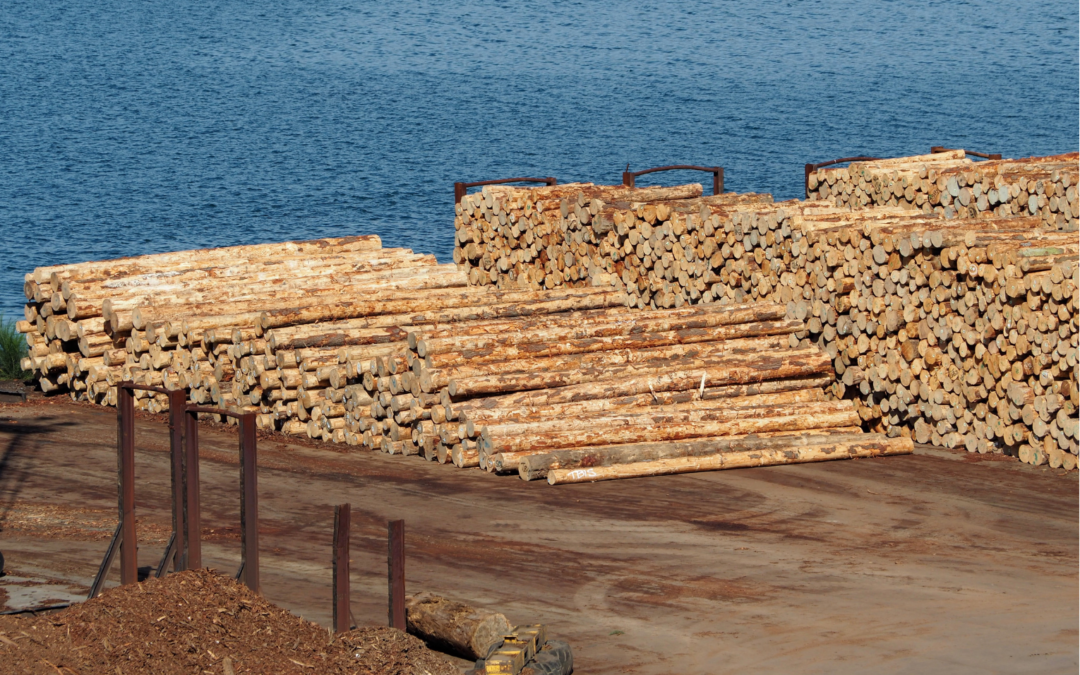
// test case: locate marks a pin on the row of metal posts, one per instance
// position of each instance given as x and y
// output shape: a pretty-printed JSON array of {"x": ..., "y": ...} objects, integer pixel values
[{"x": 184, "y": 549}]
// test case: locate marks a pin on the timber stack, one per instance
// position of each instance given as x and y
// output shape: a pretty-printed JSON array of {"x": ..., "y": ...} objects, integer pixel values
[
  {"x": 344, "y": 341},
  {"x": 960, "y": 332},
  {"x": 655, "y": 243},
  {"x": 169, "y": 319},
  {"x": 624, "y": 392},
  {"x": 950, "y": 184}
]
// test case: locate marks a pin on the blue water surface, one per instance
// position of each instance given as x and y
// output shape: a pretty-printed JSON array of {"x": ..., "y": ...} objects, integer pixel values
[{"x": 136, "y": 127}]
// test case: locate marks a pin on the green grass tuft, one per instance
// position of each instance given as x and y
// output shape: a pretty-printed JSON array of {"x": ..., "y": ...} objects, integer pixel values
[{"x": 12, "y": 351}]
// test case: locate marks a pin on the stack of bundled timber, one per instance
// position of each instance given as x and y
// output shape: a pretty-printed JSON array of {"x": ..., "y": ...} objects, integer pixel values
[
  {"x": 169, "y": 319},
  {"x": 866, "y": 282},
  {"x": 579, "y": 234},
  {"x": 960, "y": 333},
  {"x": 956, "y": 187},
  {"x": 620, "y": 392},
  {"x": 345, "y": 376}
]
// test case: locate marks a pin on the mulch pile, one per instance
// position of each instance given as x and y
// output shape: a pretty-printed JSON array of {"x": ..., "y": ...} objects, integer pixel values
[{"x": 200, "y": 622}]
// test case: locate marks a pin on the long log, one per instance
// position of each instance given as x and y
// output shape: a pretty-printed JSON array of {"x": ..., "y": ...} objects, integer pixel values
[
  {"x": 507, "y": 375},
  {"x": 871, "y": 445},
  {"x": 707, "y": 411},
  {"x": 609, "y": 343},
  {"x": 536, "y": 466},
  {"x": 476, "y": 418},
  {"x": 624, "y": 324},
  {"x": 500, "y": 406},
  {"x": 345, "y": 310},
  {"x": 556, "y": 440},
  {"x": 161, "y": 261},
  {"x": 709, "y": 363}
]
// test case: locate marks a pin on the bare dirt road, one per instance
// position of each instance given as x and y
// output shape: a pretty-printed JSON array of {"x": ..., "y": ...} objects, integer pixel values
[{"x": 939, "y": 562}]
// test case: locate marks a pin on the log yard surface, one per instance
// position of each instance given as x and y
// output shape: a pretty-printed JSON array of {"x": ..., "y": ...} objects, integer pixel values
[{"x": 936, "y": 562}]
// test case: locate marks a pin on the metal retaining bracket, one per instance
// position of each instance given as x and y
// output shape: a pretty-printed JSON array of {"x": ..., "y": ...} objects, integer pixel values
[
  {"x": 460, "y": 188},
  {"x": 628, "y": 177}
]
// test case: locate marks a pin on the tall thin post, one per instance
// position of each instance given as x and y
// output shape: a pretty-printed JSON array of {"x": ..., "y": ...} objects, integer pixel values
[
  {"x": 125, "y": 441},
  {"x": 177, "y": 403},
  {"x": 193, "y": 520},
  {"x": 396, "y": 564},
  {"x": 718, "y": 181},
  {"x": 342, "y": 518},
  {"x": 249, "y": 503}
]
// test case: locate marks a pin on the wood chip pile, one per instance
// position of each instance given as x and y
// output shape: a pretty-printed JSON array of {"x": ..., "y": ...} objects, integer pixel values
[
  {"x": 954, "y": 186},
  {"x": 201, "y": 622}
]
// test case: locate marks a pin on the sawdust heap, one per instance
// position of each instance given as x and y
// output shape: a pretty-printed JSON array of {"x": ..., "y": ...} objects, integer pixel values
[{"x": 200, "y": 622}]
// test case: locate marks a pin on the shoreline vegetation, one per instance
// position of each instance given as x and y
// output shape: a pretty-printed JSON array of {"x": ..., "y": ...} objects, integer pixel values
[{"x": 12, "y": 351}]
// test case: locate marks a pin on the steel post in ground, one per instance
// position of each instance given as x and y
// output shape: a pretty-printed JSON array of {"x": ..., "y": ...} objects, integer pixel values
[
  {"x": 342, "y": 518},
  {"x": 193, "y": 517},
  {"x": 249, "y": 503},
  {"x": 177, "y": 422},
  {"x": 396, "y": 572},
  {"x": 125, "y": 442}
]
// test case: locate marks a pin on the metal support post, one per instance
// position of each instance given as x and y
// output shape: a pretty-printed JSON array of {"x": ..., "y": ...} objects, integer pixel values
[
  {"x": 249, "y": 503},
  {"x": 193, "y": 519},
  {"x": 396, "y": 564},
  {"x": 342, "y": 517},
  {"x": 125, "y": 442}
]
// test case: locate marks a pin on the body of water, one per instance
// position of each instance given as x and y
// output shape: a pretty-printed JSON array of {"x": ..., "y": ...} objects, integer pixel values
[{"x": 130, "y": 127}]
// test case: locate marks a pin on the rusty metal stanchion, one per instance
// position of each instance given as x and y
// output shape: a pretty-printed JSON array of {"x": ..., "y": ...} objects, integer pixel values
[
  {"x": 177, "y": 402},
  {"x": 192, "y": 558},
  {"x": 249, "y": 494},
  {"x": 125, "y": 450},
  {"x": 460, "y": 188},
  {"x": 342, "y": 616},
  {"x": 628, "y": 177},
  {"x": 395, "y": 560},
  {"x": 249, "y": 503},
  {"x": 125, "y": 538}
]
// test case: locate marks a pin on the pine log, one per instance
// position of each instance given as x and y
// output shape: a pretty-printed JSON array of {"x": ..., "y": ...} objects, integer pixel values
[
  {"x": 536, "y": 466},
  {"x": 871, "y": 445}
]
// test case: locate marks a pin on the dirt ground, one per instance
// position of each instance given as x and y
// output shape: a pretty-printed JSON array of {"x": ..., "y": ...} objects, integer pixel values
[{"x": 938, "y": 562}]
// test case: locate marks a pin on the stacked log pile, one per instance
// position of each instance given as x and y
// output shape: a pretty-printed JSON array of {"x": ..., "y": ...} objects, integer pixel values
[
  {"x": 349, "y": 379},
  {"x": 954, "y": 186},
  {"x": 648, "y": 392},
  {"x": 959, "y": 333},
  {"x": 343, "y": 341},
  {"x": 656, "y": 243},
  {"x": 169, "y": 319},
  {"x": 922, "y": 316}
]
